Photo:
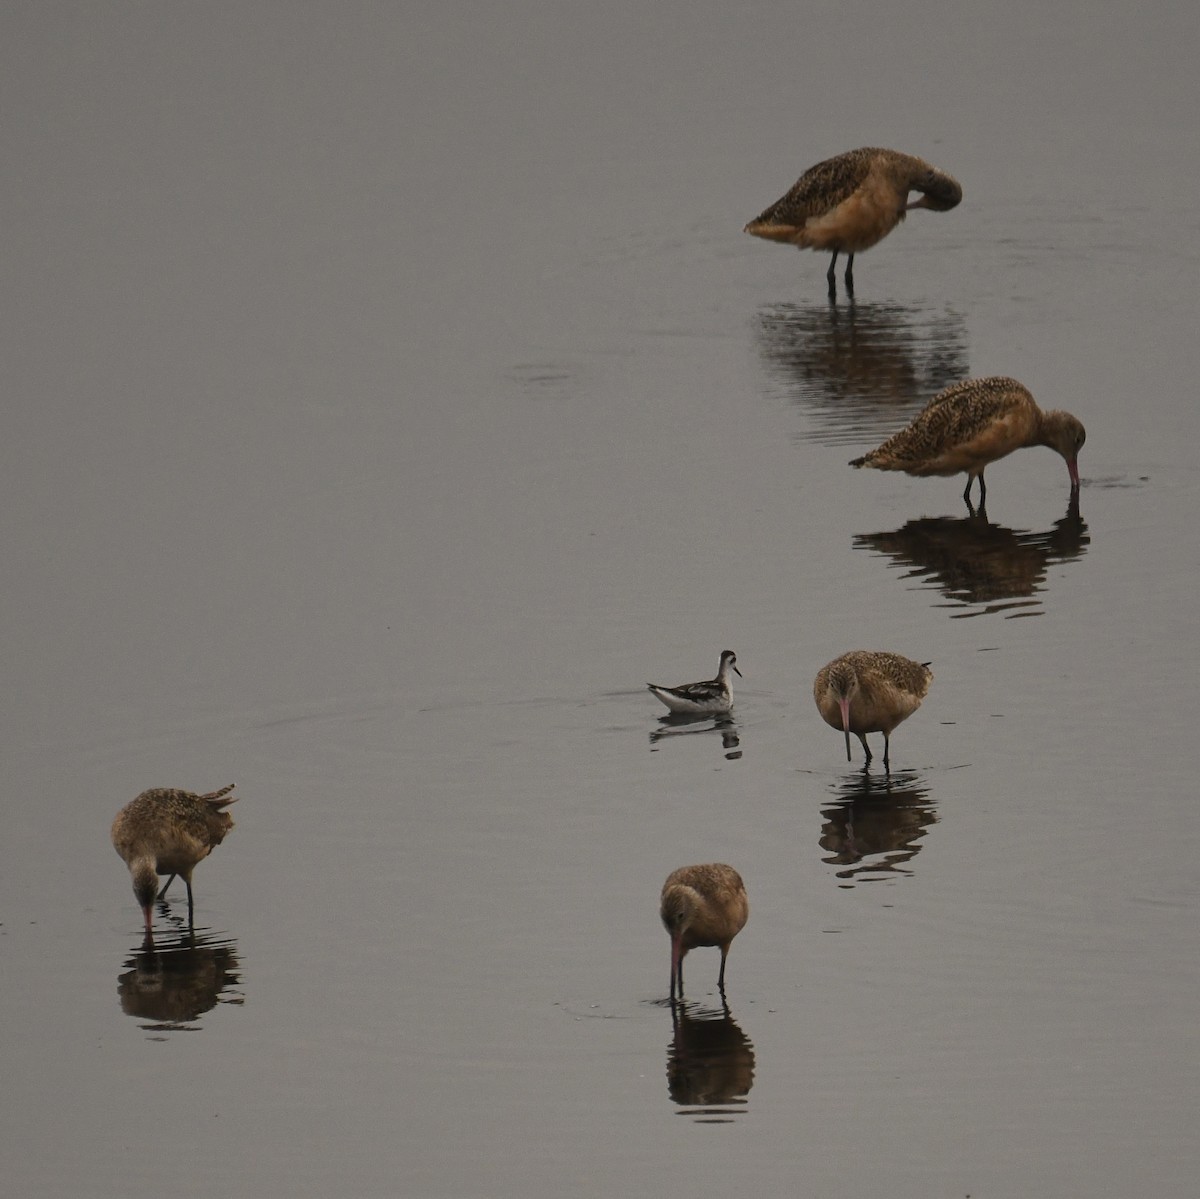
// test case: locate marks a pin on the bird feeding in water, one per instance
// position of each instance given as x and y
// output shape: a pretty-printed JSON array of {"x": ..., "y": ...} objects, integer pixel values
[
  {"x": 971, "y": 424},
  {"x": 851, "y": 202},
  {"x": 713, "y": 697},
  {"x": 165, "y": 831},
  {"x": 702, "y": 905},
  {"x": 868, "y": 691}
]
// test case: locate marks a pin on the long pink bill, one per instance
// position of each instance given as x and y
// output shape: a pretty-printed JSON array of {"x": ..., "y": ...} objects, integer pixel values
[
  {"x": 676, "y": 958},
  {"x": 844, "y": 704},
  {"x": 1073, "y": 470}
]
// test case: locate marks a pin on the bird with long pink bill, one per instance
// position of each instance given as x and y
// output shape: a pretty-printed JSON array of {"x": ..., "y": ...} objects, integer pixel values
[
  {"x": 867, "y": 691},
  {"x": 972, "y": 424},
  {"x": 700, "y": 906}
]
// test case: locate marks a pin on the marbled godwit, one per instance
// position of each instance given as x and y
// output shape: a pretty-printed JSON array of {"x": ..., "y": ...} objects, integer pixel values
[
  {"x": 853, "y": 201},
  {"x": 975, "y": 422},
  {"x": 868, "y": 692},
  {"x": 714, "y": 696},
  {"x": 702, "y": 905},
  {"x": 167, "y": 831}
]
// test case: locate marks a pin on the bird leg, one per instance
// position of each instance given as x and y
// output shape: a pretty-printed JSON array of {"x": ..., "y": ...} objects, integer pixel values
[
  {"x": 866, "y": 747},
  {"x": 829, "y": 274},
  {"x": 886, "y": 763},
  {"x": 982, "y": 490},
  {"x": 166, "y": 885},
  {"x": 850, "y": 273}
]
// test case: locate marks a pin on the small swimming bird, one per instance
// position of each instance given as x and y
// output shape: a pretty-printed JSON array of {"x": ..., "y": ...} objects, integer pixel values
[
  {"x": 970, "y": 424},
  {"x": 167, "y": 831},
  {"x": 714, "y": 696},
  {"x": 870, "y": 692},
  {"x": 850, "y": 202},
  {"x": 702, "y": 905}
]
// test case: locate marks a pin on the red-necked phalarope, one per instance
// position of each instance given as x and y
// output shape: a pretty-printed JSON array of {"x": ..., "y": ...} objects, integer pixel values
[{"x": 714, "y": 696}]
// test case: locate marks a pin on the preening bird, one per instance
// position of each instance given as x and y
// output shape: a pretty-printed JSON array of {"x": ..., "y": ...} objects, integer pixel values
[{"x": 851, "y": 202}]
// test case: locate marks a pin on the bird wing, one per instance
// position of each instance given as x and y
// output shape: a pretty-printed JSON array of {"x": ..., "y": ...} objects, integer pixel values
[{"x": 820, "y": 189}]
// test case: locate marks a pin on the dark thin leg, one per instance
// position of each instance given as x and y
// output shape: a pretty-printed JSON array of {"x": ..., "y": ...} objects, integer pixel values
[
  {"x": 189, "y": 887},
  {"x": 829, "y": 274},
  {"x": 850, "y": 273},
  {"x": 886, "y": 764},
  {"x": 866, "y": 747},
  {"x": 166, "y": 885},
  {"x": 721, "y": 975},
  {"x": 982, "y": 490}
]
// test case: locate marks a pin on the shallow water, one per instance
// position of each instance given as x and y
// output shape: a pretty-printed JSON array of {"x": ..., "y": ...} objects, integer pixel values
[{"x": 390, "y": 398}]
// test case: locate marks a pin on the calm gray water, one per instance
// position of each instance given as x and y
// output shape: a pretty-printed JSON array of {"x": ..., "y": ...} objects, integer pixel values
[{"x": 391, "y": 393}]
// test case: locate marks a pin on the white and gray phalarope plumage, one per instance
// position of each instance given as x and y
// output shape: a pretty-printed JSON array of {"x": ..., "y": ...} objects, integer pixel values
[{"x": 714, "y": 696}]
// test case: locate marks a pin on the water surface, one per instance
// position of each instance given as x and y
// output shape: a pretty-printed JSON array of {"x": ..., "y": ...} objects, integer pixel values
[{"x": 391, "y": 396}]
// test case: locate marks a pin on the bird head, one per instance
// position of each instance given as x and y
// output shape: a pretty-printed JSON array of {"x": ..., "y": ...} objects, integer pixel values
[
  {"x": 1065, "y": 434},
  {"x": 939, "y": 192},
  {"x": 843, "y": 685},
  {"x": 145, "y": 886}
]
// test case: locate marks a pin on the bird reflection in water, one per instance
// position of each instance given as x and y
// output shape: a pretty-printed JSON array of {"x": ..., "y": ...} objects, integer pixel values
[
  {"x": 980, "y": 565},
  {"x": 680, "y": 724},
  {"x": 875, "y": 826},
  {"x": 172, "y": 982},
  {"x": 861, "y": 369},
  {"x": 710, "y": 1063}
]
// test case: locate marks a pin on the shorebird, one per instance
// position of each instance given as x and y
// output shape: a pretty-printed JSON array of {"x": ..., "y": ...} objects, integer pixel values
[
  {"x": 167, "y": 831},
  {"x": 850, "y": 202},
  {"x": 870, "y": 692},
  {"x": 970, "y": 424},
  {"x": 702, "y": 905},
  {"x": 714, "y": 696}
]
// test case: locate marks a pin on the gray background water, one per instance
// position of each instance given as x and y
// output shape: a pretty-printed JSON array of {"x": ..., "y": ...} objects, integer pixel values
[{"x": 390, "y": 394}]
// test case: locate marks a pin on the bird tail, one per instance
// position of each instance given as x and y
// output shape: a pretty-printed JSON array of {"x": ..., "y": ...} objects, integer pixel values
[{"x": 219, "y": 799}]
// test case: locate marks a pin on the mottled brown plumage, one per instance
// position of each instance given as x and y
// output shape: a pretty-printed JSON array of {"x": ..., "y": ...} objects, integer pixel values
[
  {"x": 868, "y": 691},
  {"x": 975, "y": 422},
  {"x": 702, "y": 905},
  {"x": 167, "y": 831},
  {"x": 853, "y": 201}
]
